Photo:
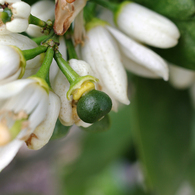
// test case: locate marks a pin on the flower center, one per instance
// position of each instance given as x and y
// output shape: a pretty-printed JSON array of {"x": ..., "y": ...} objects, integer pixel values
[{"x": 11, "y": 124}]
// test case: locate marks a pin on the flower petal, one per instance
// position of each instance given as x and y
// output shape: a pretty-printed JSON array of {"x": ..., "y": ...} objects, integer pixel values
[
  {"x": 8, "y": 152},
  {"x": 181, "y": 78},
  {"x": 140, "y": 54},
  {"x": 21, "y": 10},
  {"x": 147, "y": 26},
  {"x": 17, "y": 25},
  {"x": 45, "y": 130},
  {"x": 13, "y": 88}
]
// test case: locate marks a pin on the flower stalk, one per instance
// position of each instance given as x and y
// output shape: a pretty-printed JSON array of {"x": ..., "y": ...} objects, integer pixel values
[
  {"x": 70, "y": 48},
  {"x": 31, "y": 53},
  {"x": 78, "y": 85},
  {"x": 36, "y": 21},
  {"x": 44, "y": 70}
]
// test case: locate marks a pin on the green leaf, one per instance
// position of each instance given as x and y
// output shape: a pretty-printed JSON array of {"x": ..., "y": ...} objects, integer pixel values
[
  {"x": 60, "y": 130},
  {"x": 98, "y": 151},
  {"x": 162, "y": 119},
  {"x": 191, "y": 167},
  {"x": 99, "y": 126},
  {"x": 175, "y": 9}
]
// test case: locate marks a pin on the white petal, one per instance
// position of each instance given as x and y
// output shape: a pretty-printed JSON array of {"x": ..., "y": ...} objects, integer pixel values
[
  {"x": 9, "y": 61},
  {"x": 40, "y": 111},
  {"x": 80, "y": 123},
  {"x": 181, "y": 78},
  {"x": 18, "y": 101},
  {"x": 45, "y": 130},
  {"x": 3, "y": 30},
  {"x": 101, "y": 52},
  {"x": 11, "y": 78},
  {"x": 21, "y": 10},
  {"x": 147, "y": 26},
  {"x": 17, "y": 25},
  {"x": 21, "y": 41},
  {"x": 34, "y": 31},
  {"x": 80, "y": 67},
  {"x": 137, "y": 69},
  {"x": 140, "y": 54},
  {"x": 44, "y": 10},
  {"x": 34, "y": 98},
  {"x": 61, "y": 86},
  {"x": 13, "y": 88},
  {"x": 8, "y": 152}
]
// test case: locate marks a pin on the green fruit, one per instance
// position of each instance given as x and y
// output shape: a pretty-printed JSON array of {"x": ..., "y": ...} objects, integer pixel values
[{"x": 93, "y": 106}]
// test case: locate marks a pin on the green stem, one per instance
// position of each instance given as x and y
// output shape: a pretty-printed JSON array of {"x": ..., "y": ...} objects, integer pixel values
[
  {"x": 71, "y": 49},
  {"x": 44, "y": 70},
  {"x": 70, "y": 74},
  {"x": 31, "y": 53},
  {"x": 38, "y": 40},
  {"x": 107, "y": 4},
  {"x": 89, "y": 12},
  {"x": 36, "y": 21}
]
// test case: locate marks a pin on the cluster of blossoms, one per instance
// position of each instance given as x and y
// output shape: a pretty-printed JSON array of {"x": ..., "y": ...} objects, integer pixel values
[{"x": 40, "y": 83}]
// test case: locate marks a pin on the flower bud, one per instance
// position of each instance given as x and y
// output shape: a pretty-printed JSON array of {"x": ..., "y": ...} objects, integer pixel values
[
  {"x": 44, "y": 10},
  {"x": 146, "y": 26},
  {"x": 19, "y": 19}
]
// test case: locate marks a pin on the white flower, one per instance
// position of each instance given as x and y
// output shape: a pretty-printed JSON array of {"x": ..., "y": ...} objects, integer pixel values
[
  {"x": 44, "y": 10},
  {"x": 19, "y": 19},
  {"x": 146, "y": 25},
  {"x": 23, "y": 106},
  {"x": 181, "y": 78},
  {"x": 42, "y": 134},
  {"x": 11, "y": 64},
  {"x": 65, "y": 13},
  {"x": 68, "y": 114},
  {"x": 23, "y": 43},
  {"x": 138, "y": 58},
  {"x": 101, "y": 52}
]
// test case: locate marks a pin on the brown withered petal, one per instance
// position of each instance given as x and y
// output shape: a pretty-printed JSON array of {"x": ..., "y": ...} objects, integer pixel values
[{"x": 65, "y": 13}]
